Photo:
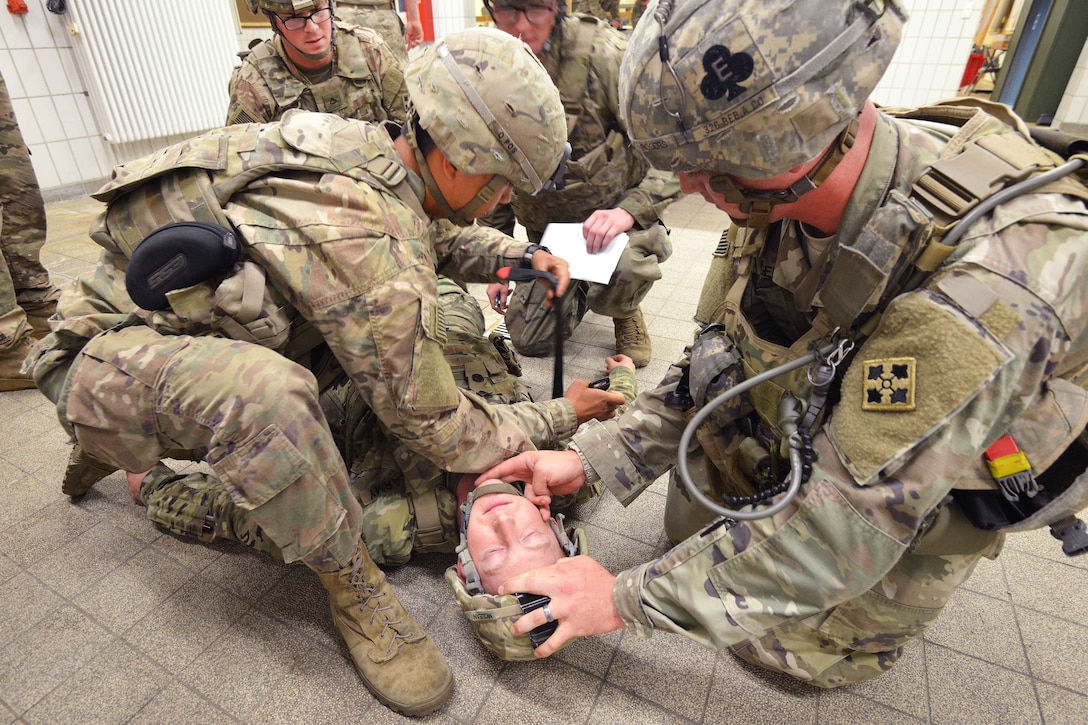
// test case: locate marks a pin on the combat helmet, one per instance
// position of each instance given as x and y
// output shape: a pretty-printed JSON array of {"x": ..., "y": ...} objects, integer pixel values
[
  {"x": 492, "y": 615},
  {"x": 490, "y": 107},
  {"x": 283, "y": 7},
  {"x": 752, "y": 88}
]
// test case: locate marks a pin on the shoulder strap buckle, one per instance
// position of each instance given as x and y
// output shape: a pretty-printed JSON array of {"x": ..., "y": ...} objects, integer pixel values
[{"x": 953, "y": 186}]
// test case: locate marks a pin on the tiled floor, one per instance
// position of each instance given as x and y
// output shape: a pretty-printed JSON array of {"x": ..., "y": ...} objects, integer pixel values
[{"x": 104, "y": 619}]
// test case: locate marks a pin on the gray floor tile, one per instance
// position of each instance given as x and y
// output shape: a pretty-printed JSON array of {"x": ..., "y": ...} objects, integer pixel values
[
  {"x": 1062, "y": 707},
  {"x": 1025, "y": 572},
  {"x": 652, "y": 668},
  {"x": 963, "y": 689},
  {"x": 49, "y": 654},
  {"x": 24, "y": 602},
  {"x": 35, "y": 536},
  {"x": 111, "y": 688},
  {"x": 190, "y": 621},
  {"x": 128, "y": 593},
  {"x": 250, "y": 661},
  {"x": 843, "y": 707},
  {"x": 981, "y": 627},
  {"x": 513, "y": 699},
  {"x": 616, "y": 706},
  {"x": 1056, "y": 649},
  {"x": 742, "y": 692},
  {"x": 175, "y": 704},
  {"x": 901, "y": 689},
  {"x": 84, "y": 560}
]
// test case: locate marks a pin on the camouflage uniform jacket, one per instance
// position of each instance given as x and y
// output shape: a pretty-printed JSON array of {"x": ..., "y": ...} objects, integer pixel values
[
  {"x": 985, "y": 342},
  {"x": 325, "y": 208},
  {"x": 603, "y": 173},
  {"x": 606, "y": 10},
  {"x": 367, "y": 83}
]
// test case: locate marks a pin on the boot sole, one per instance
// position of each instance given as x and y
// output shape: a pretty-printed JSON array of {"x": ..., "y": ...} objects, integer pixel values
[
  {"x": 10, "y": 384},
  {"x": 417, "y": 710}
]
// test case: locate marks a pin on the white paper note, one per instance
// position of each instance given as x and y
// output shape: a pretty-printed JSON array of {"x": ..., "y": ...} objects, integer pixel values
[{"x": 567, "y": 241}]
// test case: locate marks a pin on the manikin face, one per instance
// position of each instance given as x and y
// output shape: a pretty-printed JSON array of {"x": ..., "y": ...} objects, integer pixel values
[
  {"x": 314, "y": 37},
  {"x": 507, "y": 535},
  {"x": 532, "y": 23}
]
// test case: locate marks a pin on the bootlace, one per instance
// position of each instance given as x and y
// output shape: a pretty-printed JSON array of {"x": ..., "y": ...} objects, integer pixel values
[
  {"x": 630, "y": 331},
  {"x": 366, "y": 593}
]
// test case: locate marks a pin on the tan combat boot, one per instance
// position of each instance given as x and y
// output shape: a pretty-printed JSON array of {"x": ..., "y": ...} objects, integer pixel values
[
  {"x": 83, "y": 472},
  {"x": 10, "y": 362},
  {"x": 38, "y": 319},
  {"x": 633, "y": 339},
  {"x": 396, "y": 659}
]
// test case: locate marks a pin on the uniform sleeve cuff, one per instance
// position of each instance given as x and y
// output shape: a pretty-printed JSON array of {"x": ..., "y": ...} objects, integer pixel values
[
  {"x": 628, "y": 602},
  {"x": 564, "y": 419}
]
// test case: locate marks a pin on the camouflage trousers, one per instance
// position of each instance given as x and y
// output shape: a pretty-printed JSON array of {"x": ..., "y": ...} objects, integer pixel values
[
  {"x": 383, "y": 20},
  {"x": 532, "y": 326},
  {"x": 24, "y": 282},
  {"x": 863, "y": 638},
  {"x": 405, "y": 501},
  {"x": 132, "y": 394},
  {"x": 408, "y": 503}
]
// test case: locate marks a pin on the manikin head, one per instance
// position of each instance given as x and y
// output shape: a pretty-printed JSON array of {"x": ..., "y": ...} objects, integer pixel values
[{"x": 502, "y": 535}]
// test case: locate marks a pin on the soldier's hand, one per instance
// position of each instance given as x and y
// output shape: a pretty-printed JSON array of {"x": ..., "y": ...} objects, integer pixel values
[
  {"x": 604, "y": 224},
  {"x": 592, "y": 403},
  {"x": 498, "y": 296},
  {"x": 413, "y": 32},
  {"x": 545, "y": 473},
  {"x": 581, "y": 600},
  {"x": 558, "y": 268},
  {"x": 619, "y": 360}
]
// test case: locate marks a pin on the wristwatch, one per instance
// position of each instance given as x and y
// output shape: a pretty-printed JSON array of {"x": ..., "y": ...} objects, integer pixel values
[{"x": 527, "y": 258}]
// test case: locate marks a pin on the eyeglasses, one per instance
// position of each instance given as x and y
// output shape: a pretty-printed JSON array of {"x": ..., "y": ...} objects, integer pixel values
[
  {"x": 535, "y": 14},
  {"x": 298, "y": 22}
]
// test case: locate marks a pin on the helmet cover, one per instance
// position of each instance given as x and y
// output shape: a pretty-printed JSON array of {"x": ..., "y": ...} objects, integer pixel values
[
  {"x": 489, "y": 105},
  {"x": 752, "y": 88}
]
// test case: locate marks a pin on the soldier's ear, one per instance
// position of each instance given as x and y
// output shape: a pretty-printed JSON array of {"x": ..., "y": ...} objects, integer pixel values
[{"x": 441, "y": 167}]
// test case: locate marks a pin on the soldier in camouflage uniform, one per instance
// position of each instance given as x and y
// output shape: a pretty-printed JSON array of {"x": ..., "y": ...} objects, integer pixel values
[
  {"x": 840, "y": 212},
  {"x": 637, "y": 11},
  {"x": 27, "y": 297},
  {"x": 409, "y": 503},
  {"x": 337, "y": 278},
  {"x": 606, "y": 10},
  {"x": 382, "y": 16},
  {"x": 321, "y": 66},
  {"x": 608, "y": 188}
]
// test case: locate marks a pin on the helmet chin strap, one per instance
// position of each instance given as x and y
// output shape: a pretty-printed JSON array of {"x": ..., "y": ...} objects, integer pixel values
[
  {"x": 464, "y": 216},
  {"x": 757, "y": 204}
]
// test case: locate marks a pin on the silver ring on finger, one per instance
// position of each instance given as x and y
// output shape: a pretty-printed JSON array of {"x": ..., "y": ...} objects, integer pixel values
[{"x": 548, "y": 614}]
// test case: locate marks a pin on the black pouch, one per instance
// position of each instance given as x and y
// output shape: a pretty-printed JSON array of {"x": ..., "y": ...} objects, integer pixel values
[
  {"x": 176, "y": 256},
  {"x": 529, "y": 602}
]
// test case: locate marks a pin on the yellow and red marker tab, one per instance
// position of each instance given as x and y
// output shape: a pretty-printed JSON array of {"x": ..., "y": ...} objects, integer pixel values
[{"x": 1010, "y": 468}]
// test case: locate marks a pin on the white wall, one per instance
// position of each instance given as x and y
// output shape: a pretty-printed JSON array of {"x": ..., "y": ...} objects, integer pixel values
[
  {"x": 1072, "y": 115},
  {"x": 69, "y": 154},
  {"x": 71, "y": 158},
  {"x": 931, "y": 58}
]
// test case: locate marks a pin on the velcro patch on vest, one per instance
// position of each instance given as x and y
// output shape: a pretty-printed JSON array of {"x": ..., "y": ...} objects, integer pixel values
[
  {"x": 926, "y": 362},
  {"x": 889, "y": 385}
]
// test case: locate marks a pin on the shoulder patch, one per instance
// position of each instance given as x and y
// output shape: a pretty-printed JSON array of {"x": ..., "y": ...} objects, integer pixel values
[{"x": 925, "y": 362}]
